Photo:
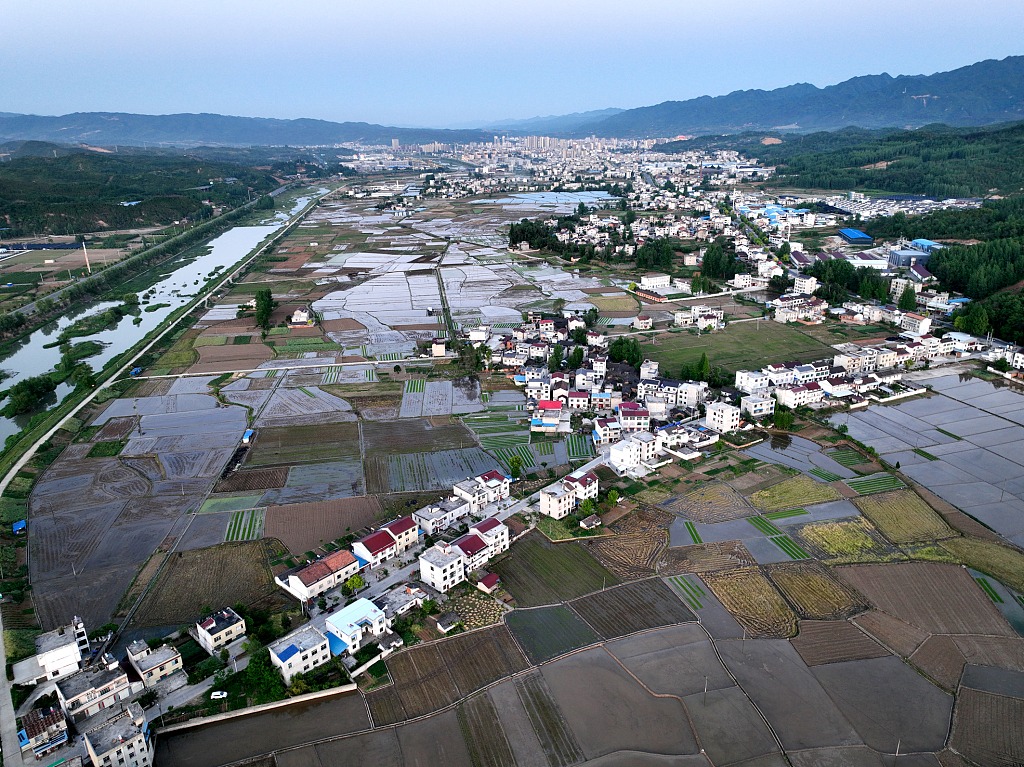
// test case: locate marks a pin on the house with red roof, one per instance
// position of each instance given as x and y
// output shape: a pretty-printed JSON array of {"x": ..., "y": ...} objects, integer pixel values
[
  {"x": 375, "y": 548},
  {"x": 489, "y": 583},
  {"x": 487, "y": 488},
  {"x": 446, "y": 564},
  {"x": 405, "y": 531},
  {"x": 307, "y": 582}
]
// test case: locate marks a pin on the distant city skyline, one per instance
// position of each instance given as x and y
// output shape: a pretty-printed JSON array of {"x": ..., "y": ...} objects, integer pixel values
[{"x": 462, "y": 64}]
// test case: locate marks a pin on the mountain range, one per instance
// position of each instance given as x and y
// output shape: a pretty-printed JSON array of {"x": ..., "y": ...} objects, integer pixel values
[{"x": 979, "y": 94}]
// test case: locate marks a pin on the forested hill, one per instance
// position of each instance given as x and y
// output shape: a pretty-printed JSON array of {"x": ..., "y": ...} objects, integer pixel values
[
  {"x": 979, "y": 94},
  {"x": 81, "y": 191},
  {"x": 937, "y": 161},
  {"x": 108, "y": 128}
]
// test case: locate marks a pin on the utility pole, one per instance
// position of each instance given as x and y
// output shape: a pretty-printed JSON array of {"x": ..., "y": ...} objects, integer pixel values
[{"x": 86, "y": 252}]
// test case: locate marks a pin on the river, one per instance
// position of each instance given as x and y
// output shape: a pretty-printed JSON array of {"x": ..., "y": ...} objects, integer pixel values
[{"x": 181, "y": 279}]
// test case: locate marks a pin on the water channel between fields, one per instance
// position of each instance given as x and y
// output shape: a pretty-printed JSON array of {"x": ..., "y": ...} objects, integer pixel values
[{"x": 180, "y": 280}]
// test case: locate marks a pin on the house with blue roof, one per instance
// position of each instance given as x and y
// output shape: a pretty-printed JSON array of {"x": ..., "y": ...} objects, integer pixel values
[
  {"x": 355, "y": 625},
  {"x": 299, "y": 652}
]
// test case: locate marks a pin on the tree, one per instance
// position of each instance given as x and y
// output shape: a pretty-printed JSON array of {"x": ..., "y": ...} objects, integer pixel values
[
  {"x": 515, "y": 466},
  {"x": 356, "y": 582},
  {"x": 587, "y": 507},
  {"x": 972, "y": 319},
  {"x": 908, "y": 300},
  {"x": 784, "y": 418},
  {"x": 575, "y": 358},
  {"x": 28, "y": 395},
  {"x": 613, "y": 496},
  {"x": 265, "y": 305},
  {"x": 555, "y": 358},
  {"x": 263, "y": 682}
]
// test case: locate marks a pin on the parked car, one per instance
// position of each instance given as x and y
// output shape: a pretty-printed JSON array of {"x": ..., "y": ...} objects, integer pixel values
[{"x": 218, "y": 695}]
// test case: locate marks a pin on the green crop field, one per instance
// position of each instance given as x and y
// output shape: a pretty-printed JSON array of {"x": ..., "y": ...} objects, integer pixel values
[
  {"x": 547, "y": 632},
  {"x": 764, "y": 526},
  {"x": 503, "y": 445},
  {"x": 691, "y": 530},
  {"x": 847, "y": 457},
  {"x": 537, "y": 572},
  {"x": 987, "y": 588},
  {"x": 503, "y": 454},
  {"x": 245, "y": 525},
  {"x": 579, "y": 447},
  {"x": 876, "y": 483},
  {"x": 743, "y": 346},
  {"x": 415, "y": 385},
  {"x": 773, "y": 515},
  {"x": 692, "y": 591},
  {"x": 788, "y": 545},
  {"x": 824, "y": 474}
]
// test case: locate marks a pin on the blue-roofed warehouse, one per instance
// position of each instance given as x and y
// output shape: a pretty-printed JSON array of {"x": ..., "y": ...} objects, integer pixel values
[{"x": 856, "y": 237}]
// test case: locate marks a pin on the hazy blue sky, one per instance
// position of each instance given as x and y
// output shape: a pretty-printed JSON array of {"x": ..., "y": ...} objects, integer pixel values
[{"x": 426, "y": 62}]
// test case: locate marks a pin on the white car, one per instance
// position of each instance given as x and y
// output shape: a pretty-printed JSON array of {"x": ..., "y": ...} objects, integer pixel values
[{"x": 218, "y": 695}]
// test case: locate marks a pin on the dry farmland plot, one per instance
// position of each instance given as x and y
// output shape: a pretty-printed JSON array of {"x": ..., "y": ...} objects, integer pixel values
[
  {"x": 247, "y": 480},
  {"x": 477, "y": 658},
  {"x": 706, "y": 558},
  {"x": 632, "y": 607},
  {"x": 304, "y": 526},
  {"x": 715, "y": 502},
  {"x": 630, "y": 556},
  {"x": 903, "y": 517},
  {"x": 537, "y": 572},
  {"x": 547, "y": 632},
  {"x": 556, "y": 739},
  {"x": 897, "y": 635},
  {"x": 797, "y": 492},
  {"x": 301, "y": 444},
  {"x": 644, "y": 520},
  {"x": 753, "y": 601},
  {"x": 814, "y": 592},
  {"x": 425, "y": 471},
  {"x": 422, "y": 680},
  {"x": 221, "y": 575},
  {"x": 938, "y": 598},
  {"x": 821, "y": 642},
  {"x": 846, "y": 541},
  {"x": 481, "y": 727},
  {"x": 986, "y": 728},
  {"x": 385, "y": 706},
  {"x": 414, "y": 435},
  {"x": 1001, "y": 562}
]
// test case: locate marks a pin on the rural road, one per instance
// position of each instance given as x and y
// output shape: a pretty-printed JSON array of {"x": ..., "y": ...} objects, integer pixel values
[{"x": 8, "y": 727}]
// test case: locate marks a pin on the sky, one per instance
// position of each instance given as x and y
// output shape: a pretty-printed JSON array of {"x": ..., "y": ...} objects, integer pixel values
[{"x": 448, "y": 63}]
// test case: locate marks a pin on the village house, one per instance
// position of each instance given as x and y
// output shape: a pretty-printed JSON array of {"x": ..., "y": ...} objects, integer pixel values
[
  {"x": 88, "y": 692},
  {"x": 638, "y": 449},
  {"x": 559, "y": 499},
  {"x": 442, "y": 566},
  {"x": 634, "y": 417},
  {"x": 42, "y": 731},
  {"x": 440, "y": 516},
  {"x": 299, "y": 652},
  {"x": 218, "y": 630},
  {"x": 483, "y": 490},
  {"x": 58, "y": 654},
  {"x": 795, "y": 396},
  {"x": 123, "y": 741},
  {"x": 153, "y": 664},
  {"x": 643, "y": 322},
  {"x": 307, "y": 582},
  {"x": 757, "y": 406},
  {"x": 606, "y": 431},
  {"x": 722, "y": 417},
  {"x": 355, "y": 625}
]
